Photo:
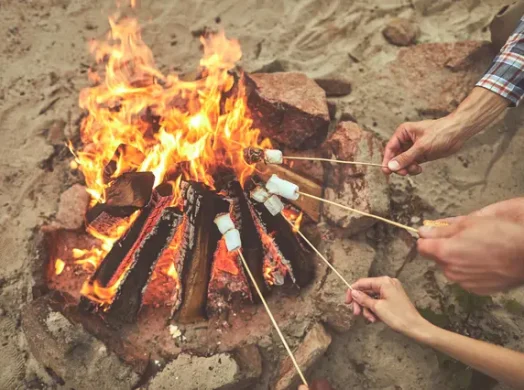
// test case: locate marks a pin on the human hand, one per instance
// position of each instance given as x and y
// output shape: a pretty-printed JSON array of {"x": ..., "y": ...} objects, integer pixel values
[
  {"x": 414, "y": 143},
  {"x": 318, "y": 384},
  {"x": 483, "y": 255},
  {"x": 511, "y": 210},
  {"x": 392, "y": 306}
]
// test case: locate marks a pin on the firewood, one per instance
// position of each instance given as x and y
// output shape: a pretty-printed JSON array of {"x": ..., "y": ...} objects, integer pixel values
[{"x": 310, "y": 207}]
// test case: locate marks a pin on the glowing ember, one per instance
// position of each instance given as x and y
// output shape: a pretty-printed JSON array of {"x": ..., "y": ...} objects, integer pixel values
[{"x": 59, "y": 266}]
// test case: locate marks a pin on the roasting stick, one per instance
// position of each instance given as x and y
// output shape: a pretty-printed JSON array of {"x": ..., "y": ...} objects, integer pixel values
[
  {"x": 408, "y": 228},
  {"x": 319, "y": 254},
  {"x": 232, "y": 237},
  {"x": 277, "y": 328},
  {"x": 333, "y": 161}
]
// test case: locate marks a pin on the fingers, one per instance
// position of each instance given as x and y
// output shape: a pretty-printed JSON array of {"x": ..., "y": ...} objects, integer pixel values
[
  {"x": 441, "y": 232},
  {"x": 371, "y": 284},
  {"x": 303, "y": 387},
  {"x": 368, "y": 315},
  {"x": 434, "y": 249},
  {"x": 364, "y": 300}
]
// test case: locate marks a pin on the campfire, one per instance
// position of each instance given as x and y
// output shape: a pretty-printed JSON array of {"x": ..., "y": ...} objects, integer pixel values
[{"x": 162, "y": 158}]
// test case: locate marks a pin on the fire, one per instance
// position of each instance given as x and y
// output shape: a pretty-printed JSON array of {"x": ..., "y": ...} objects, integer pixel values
[
  {"x": 140, "y": 119},
  {"x": 59, "y": 266},
  {"x": 293, "y": 216}
]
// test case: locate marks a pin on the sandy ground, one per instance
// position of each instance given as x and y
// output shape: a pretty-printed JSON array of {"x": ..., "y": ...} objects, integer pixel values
[{"x": 44, "y": 59}]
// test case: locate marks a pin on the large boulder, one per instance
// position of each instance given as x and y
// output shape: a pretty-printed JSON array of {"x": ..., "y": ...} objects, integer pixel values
[
  {"x": 353, "y": 260},
  {"x": 289, "y": 108},
  {"x": 360, "y": 187},
  {"x": 438, "y": 76}
]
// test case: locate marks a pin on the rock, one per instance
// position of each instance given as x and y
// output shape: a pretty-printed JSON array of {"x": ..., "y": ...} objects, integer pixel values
[
  {"x": 438, "y": 76},
  {"x": 72, "y": 208},
  {"x": 353, "y": 260},
  {"x": 250, "y": 362},
  {"x": 311, "y": 169},
  {"x": 357, "y": 186},
  {"x": 401, "y": 32},
  {"x": 315, "y": 344},
  {"x": 198, "y": 373},
  {"x": 347, "y": 117},
  {"x": 81, "y": 360},
  {"x": 289, "y": 108},
  {"x": 334, "y": 87}
]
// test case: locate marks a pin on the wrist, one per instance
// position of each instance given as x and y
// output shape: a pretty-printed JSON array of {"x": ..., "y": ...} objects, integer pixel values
[{"x": 421, "y": 331}]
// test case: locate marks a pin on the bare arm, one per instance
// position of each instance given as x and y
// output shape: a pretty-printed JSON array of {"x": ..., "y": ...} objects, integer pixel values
[
  {"x": 500, "y": 363},
  {"x": 395, "y": 309}
]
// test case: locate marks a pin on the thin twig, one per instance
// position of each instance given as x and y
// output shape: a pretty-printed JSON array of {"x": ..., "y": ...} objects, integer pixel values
[
  {"x": 408, "y": 228},
  {"x": 319, "y": 254},
  {"x": 334, "y": 161},
  {"x": 291, "y": 356}
]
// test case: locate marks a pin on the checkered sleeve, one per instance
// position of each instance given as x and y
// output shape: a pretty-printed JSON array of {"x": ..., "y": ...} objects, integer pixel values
[{"x": 506, "y": 75}]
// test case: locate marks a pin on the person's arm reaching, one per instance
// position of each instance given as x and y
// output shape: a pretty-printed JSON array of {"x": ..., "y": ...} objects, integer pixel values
[
  {"x": 414, "y": 143},
  {"x": 395, "y": 309}
]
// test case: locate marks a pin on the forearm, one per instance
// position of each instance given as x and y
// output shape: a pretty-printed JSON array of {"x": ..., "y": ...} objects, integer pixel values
[
  {"x": 480, "y": 109},
  {"x": 500, "y": 363}
]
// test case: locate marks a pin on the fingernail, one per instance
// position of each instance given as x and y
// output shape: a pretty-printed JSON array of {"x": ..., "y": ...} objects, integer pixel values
[
  {"x": 356, "y": 294},
  {"x": 394, "y": 165},
  {"x": 425, "y": 230}
]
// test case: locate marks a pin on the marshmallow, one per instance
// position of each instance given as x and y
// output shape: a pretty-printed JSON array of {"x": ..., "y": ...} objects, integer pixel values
[
  {"x": 273, "y": 156},
  {"x": 224, "y": 223},
  {"x": 259, "y": 194},
  {"x": 284, "y": 188},
  {"x": 274, "y": 205},
  {"x": 232, "y": 238}
]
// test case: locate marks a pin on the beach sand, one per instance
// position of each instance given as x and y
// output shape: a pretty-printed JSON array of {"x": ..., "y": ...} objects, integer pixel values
[{"x": 44, "y": 61}]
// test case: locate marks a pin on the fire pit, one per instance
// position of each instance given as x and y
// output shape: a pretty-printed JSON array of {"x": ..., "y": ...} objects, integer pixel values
[{"x": 147, "y": 271}]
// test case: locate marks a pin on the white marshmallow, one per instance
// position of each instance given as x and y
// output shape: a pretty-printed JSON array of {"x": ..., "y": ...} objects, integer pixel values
[
  {"x": 224, "y": 223},
  {"x": 232, "y": 238},
  {"x": 259, "y": 194},
  {"x": 274, "y": 205},
  {"x": 284, "y": 188},
  {"x": 273, "y": 156}
]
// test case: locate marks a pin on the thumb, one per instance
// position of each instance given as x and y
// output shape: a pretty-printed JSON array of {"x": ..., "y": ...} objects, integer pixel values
[
  {"x": 405, "y": 159},
  {"x": 363, "y": 299}
]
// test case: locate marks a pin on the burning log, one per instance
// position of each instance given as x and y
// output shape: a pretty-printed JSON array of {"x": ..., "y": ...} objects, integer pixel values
[
  {"x": 106, "y": 283},
  {"x": 251, "y": 242},
  {"x": 289, "y": 245},
  {"x": 129, "y": 297},
  {"x": 126, "y": 194},
  {"x": 201, "y": 208},
  {"x": 126, "y": 159}
]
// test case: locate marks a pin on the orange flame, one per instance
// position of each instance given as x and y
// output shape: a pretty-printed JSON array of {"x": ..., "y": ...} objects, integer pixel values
[{"x": 59, "y": 266}]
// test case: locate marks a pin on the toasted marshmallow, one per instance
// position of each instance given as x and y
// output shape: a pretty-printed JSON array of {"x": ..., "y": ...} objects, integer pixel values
[
  {"x": 232, "y": 238},
  {"x": 273, "y": 156},
  {"x": 224, "y": 222},
  {"x": 281, "y": 187},
  {"x": 274, "y": 205},
  {"x": 259, "y": 194}
]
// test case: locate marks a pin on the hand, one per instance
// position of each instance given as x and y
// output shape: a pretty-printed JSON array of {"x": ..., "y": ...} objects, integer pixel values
[
  {"x": 483, "y": 254},
  {"x": 511, "y": 210},
  {"x": 414, "y": 143},
  {"x": 392, "y": 306},
  {"x": 318, "y": 384}
]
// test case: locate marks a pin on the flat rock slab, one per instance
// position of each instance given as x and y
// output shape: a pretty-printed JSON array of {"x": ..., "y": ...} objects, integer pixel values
[
  {"x": 353, "y": 259},
  {"x": 289, "y": 108},
  {"x": 218, "y": 372},
  {"x": 314, "y": 346},
  {"x": 360, "y": 187},
  {"x": 81, "y": 360}
]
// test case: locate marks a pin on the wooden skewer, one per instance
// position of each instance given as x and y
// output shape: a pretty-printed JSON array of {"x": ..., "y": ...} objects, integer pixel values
[
  {"x": 319, "y": 254},
  {"x": 408, "y": 228},
  {"x": 291, "y": 356},
  {"x": 334, "y": 161}
]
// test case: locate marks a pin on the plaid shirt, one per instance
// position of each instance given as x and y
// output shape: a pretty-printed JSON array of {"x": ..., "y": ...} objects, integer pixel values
[{"x": 506, "y": 75}]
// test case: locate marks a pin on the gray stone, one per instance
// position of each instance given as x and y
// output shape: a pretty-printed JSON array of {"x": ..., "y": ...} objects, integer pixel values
[
  {"x": 81, "y": 360},
  {"x": 72, "y": 208},
  {"x": 357, "y": 186},
  {"x": 289, "y": 108},
  {"x": 334, "y": 87},
  {"x": 353, "y": 260},
  {"x": 314, "y": 346},
  {"x": 401, "y": 32}
]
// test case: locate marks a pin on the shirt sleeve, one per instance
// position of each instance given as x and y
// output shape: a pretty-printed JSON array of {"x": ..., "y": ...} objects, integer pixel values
[{"x": 506, "y": 75}]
